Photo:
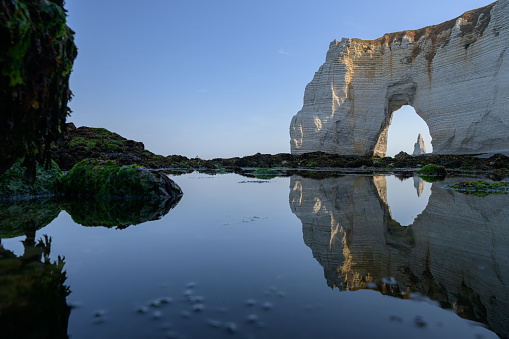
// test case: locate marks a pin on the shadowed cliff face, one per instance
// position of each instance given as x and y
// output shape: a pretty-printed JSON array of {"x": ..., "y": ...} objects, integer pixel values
[{"x": 455, "y": 252}]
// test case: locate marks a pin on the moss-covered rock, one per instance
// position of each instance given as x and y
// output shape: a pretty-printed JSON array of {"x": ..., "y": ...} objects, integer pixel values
[
  {"x": 14, "y": 186},
  {"x": 37, "y": 52},
  {"x": 432, "y": 170},
  {"x": 109, "y": 180}
]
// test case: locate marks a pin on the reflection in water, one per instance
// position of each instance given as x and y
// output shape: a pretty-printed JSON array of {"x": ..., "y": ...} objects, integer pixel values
[
  {"x": 93, "y": 212},
  {"x": 455, "y": 252},
  {"x": 119, "y": 213},
  {"x": 32, "y": 294}
]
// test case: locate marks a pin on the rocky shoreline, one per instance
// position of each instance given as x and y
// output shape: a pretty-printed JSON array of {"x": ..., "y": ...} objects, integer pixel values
[{"x": 82, "y": 143}]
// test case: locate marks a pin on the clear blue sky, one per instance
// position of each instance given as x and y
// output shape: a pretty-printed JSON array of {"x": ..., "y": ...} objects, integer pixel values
[{"x": 221, "y": 78}]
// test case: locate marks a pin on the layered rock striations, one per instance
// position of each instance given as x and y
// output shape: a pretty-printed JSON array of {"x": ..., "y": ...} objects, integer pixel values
[
  {"x": 455, "y": 75},
  {"x": 455, "y": 252}
]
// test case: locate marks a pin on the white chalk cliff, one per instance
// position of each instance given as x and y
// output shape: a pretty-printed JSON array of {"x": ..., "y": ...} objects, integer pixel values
[{"x": 455, "y": 75}]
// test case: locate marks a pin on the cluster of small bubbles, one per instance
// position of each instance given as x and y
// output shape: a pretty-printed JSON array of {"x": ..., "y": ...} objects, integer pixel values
[{"x": 194, "y": 310}]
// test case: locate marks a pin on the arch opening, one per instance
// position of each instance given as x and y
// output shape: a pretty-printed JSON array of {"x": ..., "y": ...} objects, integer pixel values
[{"x": 404, "y": 128}]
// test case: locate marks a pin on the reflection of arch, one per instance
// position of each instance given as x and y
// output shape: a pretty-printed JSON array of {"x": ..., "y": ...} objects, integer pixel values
[{"x": 455, "y": 252}]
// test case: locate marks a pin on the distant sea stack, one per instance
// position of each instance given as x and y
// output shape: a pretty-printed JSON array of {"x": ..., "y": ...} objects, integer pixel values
[
  {"x": 455, "y": 75},
  {"x": 419, "y": 148}
]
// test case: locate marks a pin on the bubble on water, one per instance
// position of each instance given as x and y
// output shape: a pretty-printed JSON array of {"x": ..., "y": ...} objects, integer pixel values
[
  {"x": 192, "y": 284},
  {"x": 214, "y": 323},
  {"x": 267, "y": 306},
  {"x": 99, "y": 313},
  {"x": 157, "y": 315},
  {"x": 185, "y": 314},
  {"x": 155, "y": 303},
  {"x": 250, "y": 302},
  {"x": 142, "y": 309},
  {"x": 188, "y": 293},
  {"x": 198, "y": 307},
  {"x": 165, "y": 300},
  {"x": 231, "y": 327},
  {"x": 252, "y": 318}
]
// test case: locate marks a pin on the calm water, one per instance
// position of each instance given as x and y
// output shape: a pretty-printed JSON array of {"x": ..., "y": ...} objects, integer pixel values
[{"x": 293, "y": 257}]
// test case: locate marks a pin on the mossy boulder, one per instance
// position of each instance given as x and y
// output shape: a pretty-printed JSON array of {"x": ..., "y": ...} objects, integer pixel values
[
  {"x": 14, "y": 186},
  {"x": 37, "y": 52},
  {"x": 109, "y": 180},
  {"x": 432, "y": 170}
]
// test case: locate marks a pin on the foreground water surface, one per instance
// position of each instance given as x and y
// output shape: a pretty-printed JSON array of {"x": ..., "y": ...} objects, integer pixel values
[{"x": 291, "y": 257}]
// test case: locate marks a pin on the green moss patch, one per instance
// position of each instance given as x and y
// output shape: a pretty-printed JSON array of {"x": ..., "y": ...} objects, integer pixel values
[
  {"x": 433, "y": 170},
  {"x": 14, "y": 186},
  {"x": 481, "y": 188},
  {"x": 109, "y": 180}
]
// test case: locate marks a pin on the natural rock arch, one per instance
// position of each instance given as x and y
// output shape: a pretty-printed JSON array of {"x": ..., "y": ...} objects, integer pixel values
[{"x": 455, "y": 75}]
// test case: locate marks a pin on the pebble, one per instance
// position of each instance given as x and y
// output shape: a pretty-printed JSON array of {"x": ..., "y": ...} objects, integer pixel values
[
  {"x": 267, "y": 306},
  {"x": 142, "y": 309},
  {"x": 231, "y": 327},
  {"x": 198, "y": 307},
  {"x": 252, "y": 318}
]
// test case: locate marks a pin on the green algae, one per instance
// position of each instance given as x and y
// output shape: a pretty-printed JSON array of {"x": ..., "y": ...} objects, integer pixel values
[{"x": 480, "y": 188}]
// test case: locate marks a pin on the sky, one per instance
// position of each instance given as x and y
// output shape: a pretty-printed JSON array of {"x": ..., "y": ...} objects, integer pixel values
[{"x": 223, "y": 78}]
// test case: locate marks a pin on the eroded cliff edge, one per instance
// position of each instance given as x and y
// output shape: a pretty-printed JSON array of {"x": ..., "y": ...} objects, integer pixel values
[{"x": 455, "y": 75}]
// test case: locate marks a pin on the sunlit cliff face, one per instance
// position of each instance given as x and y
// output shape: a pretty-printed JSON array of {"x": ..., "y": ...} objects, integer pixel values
[
  {"x": 453, "y": 74},
  {"x": 454, "y": 252}
]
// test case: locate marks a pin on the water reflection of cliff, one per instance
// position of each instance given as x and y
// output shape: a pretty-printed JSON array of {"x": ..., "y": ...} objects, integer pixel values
[{"x": 455, "y": 252}]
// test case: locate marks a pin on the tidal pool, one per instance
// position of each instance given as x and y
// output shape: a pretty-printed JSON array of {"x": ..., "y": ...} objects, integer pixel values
[{"x": 291, "y": 257}]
